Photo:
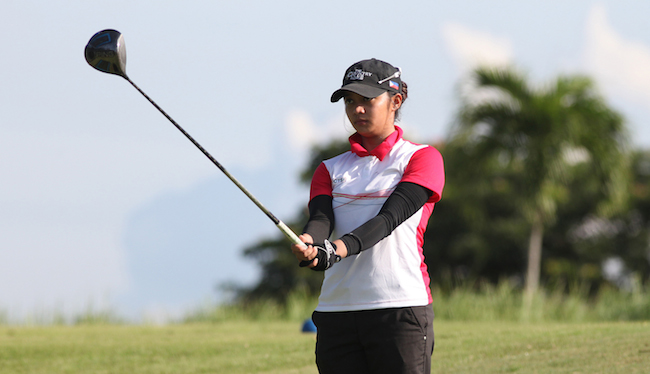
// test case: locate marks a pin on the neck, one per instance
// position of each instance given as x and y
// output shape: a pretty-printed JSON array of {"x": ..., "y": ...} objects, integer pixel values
[{"x": 372, "y": 142}]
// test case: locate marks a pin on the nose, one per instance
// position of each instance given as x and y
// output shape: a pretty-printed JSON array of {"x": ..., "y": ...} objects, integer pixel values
[{"x": 360, "y": 109}]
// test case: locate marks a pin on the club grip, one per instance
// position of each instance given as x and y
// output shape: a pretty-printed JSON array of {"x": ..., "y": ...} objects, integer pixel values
[{"x": 290, "y": 234}]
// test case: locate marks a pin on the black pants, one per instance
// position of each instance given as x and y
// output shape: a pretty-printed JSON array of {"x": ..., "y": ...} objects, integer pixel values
[{"x": 394, "y": 341}]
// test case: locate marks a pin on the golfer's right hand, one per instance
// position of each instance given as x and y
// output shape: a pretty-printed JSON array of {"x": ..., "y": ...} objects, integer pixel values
[{"x": 305, "y": 254}]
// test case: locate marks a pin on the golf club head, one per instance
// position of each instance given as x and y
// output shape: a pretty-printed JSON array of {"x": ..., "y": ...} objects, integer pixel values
[{"x": 106, "y": 52}]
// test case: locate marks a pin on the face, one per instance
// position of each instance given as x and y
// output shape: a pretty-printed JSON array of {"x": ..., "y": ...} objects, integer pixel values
[{"x": 372, "y": 117}]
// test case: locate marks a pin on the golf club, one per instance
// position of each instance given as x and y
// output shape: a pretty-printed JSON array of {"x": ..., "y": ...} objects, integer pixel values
[{"x": 106, "y": 52}]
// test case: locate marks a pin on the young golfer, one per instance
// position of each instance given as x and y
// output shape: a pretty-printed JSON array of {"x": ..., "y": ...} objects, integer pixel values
[{"x": 374, "y": 313}]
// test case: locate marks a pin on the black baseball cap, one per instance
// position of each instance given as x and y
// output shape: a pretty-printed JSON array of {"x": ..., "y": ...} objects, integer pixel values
[{"x": 370, "y": 78}]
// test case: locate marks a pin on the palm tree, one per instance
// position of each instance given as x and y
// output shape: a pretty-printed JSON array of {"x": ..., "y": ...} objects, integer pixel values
[{"x": 542, "y": 133}]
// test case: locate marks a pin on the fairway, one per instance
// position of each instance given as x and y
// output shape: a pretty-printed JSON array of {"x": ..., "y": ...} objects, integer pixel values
[
  {"x": 506, "y": 347},
  {"x": 279, "y": 347}
]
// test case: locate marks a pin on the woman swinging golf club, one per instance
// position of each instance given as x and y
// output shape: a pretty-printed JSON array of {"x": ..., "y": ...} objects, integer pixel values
[{"x": 374, "y": 313}]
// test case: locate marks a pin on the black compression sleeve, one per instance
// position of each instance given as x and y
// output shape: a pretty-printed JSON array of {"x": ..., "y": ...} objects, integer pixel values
[
  {"x": 407, "y": 199},
  {"x": 321, "y": 218}
]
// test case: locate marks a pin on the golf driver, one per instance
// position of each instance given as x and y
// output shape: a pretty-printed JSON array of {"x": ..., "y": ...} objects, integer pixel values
[{"x": 106, "y": 52}]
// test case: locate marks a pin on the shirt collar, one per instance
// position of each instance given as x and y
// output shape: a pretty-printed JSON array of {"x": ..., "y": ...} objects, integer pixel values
[{"x": 381, "y": 150}]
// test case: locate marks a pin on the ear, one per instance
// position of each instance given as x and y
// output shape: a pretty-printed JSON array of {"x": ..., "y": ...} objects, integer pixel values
[{"x": 396, "y": 101}]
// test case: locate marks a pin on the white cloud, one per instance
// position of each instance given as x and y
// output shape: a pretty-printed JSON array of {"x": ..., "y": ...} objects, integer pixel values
[
  {"x": 470, "y": 48},
  {"x": 303, "y": 132},
  {"x": 621, "y": 65}
]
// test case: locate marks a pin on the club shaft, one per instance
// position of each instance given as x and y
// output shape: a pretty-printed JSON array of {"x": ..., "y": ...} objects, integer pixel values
[{"x": 279, "y": 224}]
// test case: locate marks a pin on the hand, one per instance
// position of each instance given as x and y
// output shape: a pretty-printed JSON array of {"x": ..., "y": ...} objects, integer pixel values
[
  {"x": 325, "y": 258},
  {"x": 303, "y": 253}
]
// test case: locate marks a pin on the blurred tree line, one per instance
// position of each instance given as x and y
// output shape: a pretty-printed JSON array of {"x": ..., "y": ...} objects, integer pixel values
[{"x": 541, "y": 186}]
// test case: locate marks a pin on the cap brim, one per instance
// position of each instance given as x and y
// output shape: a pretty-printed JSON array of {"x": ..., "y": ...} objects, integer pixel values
[{"x": 358, "y": 88}]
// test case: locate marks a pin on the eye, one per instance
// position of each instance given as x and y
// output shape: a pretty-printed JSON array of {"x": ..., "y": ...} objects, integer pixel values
[{"x": 348, "y": 100}]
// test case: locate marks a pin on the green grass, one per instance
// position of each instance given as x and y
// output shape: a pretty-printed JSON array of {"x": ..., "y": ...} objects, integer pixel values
[
  {"x": 507, "y": 347},
  {"x": 505, "y": 302},
  {"x": 279, "y": 347},
  {"x": 189, "y": 348},
  {"x": 470, "y": 302},
  {"x": 482, "y": 329}
]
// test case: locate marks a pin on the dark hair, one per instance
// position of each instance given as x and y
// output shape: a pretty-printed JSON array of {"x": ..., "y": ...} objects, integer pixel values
[{"x": 405, "y": 93}]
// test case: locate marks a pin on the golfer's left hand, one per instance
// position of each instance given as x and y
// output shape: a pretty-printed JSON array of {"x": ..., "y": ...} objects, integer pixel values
[{"x": 326, "y": 257}]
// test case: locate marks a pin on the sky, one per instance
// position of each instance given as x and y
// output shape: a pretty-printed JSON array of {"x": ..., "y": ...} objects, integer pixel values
[{"x": 104, "y": 204}]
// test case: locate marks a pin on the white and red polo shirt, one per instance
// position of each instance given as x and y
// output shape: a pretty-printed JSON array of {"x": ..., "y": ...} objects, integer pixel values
[{"x": 392, "y": 273}]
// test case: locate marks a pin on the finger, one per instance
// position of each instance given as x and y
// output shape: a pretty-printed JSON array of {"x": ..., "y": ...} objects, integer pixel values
[
  {"x": 306, "y": 238},
  {"x": 299, "y": 249},
  {"x": 305, "y": 254},
  {"x": 303, "y": 264}
]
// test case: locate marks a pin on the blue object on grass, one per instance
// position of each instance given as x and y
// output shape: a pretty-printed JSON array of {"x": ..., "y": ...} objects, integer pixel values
[{"x": 308, "y": 326}]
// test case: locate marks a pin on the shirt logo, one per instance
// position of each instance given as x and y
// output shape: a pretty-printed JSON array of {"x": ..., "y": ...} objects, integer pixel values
[
  {"x": 358, "y": 75},
  {"x": 338, "y": 180}
]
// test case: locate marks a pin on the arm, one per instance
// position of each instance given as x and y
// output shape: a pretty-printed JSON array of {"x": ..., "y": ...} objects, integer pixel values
[
  {"x": 407, "y": 199},
  {"x": 317, "y": 230},
  {"x": 422, "y": 182},
  {"x": 321, "y": 219}
]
